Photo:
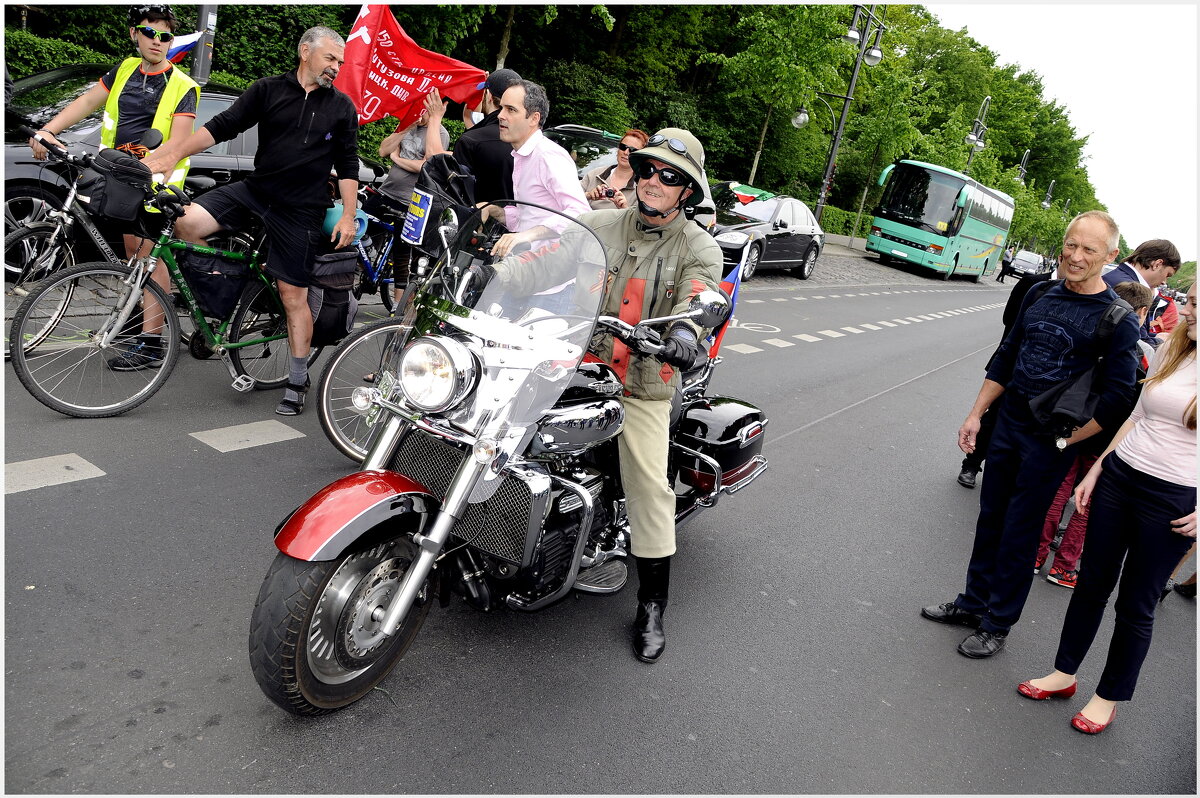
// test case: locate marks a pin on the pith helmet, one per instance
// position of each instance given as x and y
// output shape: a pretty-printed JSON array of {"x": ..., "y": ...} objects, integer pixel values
[{"x": 679, "y": 148}]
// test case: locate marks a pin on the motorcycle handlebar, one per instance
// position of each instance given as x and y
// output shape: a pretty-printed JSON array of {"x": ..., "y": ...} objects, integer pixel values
[{"x": 638, "y": 337}]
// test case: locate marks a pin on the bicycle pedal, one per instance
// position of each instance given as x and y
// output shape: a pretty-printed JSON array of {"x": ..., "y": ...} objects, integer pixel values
[{"x": 243, "y": 383}]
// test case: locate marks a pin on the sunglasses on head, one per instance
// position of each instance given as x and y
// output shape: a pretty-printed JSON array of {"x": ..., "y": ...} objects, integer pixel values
[
  {"x": 675, "y": 145},
  {"x": 150, "y": 33},
  {"x": 623, "y": 147},
  {"x": 667, "y": 175}
]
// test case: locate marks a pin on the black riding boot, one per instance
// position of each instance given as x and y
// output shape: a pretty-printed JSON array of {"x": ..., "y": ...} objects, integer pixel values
[{"x": 654, "y": 577}]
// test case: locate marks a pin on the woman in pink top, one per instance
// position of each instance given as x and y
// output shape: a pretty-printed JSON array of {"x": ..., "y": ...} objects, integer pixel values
[{"x": 1143, "y": 514}]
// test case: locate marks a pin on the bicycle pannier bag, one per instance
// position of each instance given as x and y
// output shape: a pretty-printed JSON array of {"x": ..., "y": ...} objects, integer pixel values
[
  {"x": 115, "y": 185},
  {"x": 330, "y": 297},
  {"x": 216, "y": 282}
]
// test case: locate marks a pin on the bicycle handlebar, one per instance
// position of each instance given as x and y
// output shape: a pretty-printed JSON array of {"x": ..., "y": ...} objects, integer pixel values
[{"x": 58, "y": 152}]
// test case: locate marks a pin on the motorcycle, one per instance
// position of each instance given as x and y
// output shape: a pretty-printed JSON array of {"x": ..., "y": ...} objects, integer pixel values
[{"x": 492, "y": 468}]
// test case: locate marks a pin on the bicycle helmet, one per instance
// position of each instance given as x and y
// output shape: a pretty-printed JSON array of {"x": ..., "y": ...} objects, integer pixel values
[
  {"x": 678, "y": 148},
  {"x": 151, "y": 12},
  {"x": 335, "y": 213}
]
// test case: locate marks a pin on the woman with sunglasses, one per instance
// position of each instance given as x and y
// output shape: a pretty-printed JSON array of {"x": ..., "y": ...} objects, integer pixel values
[
  {"x": 608, "y": 187},
  {"x": 142, "y": 93}
]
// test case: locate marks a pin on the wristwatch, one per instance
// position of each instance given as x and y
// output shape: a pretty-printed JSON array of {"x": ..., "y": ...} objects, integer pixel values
[{"x": 1061, "y": 443}]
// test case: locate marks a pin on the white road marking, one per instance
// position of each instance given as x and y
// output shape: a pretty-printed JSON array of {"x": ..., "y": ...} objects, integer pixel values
[
  {"x": 812, "y": 339},
  {"x": 245, "y": 436},
  {"x": 852, "y": 329},
  {"x": 831, "y": 333},
  {"x": 868, "y": 326},
  {"x": 886, "y": 323},
  {"x": 779, "y": 342},
  {"x": 745, "y": 349},
  {"x": 901, "y": 321},
  {"x": 45, "y": 471}
]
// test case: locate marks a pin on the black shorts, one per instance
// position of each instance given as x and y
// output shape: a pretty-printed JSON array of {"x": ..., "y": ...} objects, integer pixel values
[
  {"x": 147, "y": 226},
  {"x": 293, "y": 234}
]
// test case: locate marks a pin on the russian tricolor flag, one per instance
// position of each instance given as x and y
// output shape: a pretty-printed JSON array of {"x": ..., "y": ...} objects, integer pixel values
[{"x": 182, "y": 45}]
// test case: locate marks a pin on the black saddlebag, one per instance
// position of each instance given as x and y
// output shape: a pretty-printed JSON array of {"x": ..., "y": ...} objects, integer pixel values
[{"x": 726, "y": 431}]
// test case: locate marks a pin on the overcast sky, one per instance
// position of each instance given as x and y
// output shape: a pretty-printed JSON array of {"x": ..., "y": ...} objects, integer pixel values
[{"x": 1126, "y": 74}]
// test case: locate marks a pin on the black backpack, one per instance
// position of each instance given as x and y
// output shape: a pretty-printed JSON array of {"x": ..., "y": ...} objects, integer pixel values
[{"x": 330, "y": 297}]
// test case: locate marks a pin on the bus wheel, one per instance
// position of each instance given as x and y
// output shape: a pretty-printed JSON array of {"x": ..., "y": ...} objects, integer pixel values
[
  {"x": 946, "y": 276},
  {"x": 975, "y": 277}
]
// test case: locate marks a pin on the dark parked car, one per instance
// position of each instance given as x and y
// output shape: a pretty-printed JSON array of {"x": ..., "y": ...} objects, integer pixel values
[
  {"x": 29, "y": 185},
  {"x": 769, "y": 230}
]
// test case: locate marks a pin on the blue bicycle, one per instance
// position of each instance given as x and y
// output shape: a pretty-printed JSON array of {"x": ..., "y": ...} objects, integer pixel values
[{"x": 375, "y": 258}]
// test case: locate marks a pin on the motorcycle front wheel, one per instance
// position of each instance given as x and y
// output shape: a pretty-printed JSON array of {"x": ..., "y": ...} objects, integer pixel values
[{"x": 315, "y": 639}]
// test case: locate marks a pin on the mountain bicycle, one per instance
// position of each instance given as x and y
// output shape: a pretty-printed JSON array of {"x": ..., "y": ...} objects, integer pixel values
[
  {"x": 70, "y": 333},
  {"x": 375, "y": 257}
]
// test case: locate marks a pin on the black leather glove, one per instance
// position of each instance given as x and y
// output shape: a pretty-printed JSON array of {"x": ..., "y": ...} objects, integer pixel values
[
  {"x": 478, "y": 276},
  {"x": 680, "y": 349}
]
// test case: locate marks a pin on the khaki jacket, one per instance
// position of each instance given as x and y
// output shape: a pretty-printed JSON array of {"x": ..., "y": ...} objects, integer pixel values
[{"x": 651, "y": 272}]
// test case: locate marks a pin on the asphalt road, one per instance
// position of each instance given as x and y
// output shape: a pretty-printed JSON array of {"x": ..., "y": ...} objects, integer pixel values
[{"x": 796, "y": 660}]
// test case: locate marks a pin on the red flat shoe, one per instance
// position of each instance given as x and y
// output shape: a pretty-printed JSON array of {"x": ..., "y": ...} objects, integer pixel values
[
  {"x": 1080, "y": 723},
  {"x": 1026, "y": 689}
]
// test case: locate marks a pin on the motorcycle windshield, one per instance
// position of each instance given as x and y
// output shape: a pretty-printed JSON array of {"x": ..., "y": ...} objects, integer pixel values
[{"x": 526, "y": 313}]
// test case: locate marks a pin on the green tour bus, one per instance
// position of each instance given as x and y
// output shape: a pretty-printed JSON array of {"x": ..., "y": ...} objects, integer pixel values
[{"x": 941, "y": 219}]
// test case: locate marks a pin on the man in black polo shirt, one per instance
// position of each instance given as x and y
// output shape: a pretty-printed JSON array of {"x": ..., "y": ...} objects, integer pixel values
[
  {"x": 479, "y": 148},
  {"x": 305, "y": 127}
]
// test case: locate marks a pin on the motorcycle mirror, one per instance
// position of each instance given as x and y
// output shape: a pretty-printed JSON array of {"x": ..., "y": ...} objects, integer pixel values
[
  {"x": 448, "y": 227},
  {"x": 152, "y": 139},
  {"x": 709, "y": 308}
]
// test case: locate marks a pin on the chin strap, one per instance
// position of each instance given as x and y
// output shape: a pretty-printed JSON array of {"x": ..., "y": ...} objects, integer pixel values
[{"x": 646, "y": 210}]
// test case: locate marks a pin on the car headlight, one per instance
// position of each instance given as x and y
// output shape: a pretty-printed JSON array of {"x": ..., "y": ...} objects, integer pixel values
[
  {"x": 436, "y": 373},
  {"x": 733, "y": 238}
]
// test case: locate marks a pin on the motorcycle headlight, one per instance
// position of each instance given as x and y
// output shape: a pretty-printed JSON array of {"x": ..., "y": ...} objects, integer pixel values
[
  {"x": 436, "y": 373},
  {"x": 733, "y": 239}
]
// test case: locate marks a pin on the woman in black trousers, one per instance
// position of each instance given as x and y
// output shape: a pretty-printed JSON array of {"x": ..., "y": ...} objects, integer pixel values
[{"x": 1142, "y": 493}]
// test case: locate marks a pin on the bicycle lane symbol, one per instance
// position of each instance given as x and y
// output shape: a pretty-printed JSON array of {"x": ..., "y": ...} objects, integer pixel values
[{"x": 754, "y": 326}]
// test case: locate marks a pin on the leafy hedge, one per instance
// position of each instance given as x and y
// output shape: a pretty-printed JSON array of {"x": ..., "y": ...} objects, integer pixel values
[
  {"x": 836, "y": 221},
  {"x": 25, "y": 54}
]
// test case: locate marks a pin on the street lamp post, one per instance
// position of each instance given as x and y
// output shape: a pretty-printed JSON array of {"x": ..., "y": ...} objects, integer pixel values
[
  {"x": 1067, "y": 208},
  {"x": 872, "y": 56},
  {"x": 1021, "y": 170},
  {"x": 974, "y": 139},
  {"x": 1049, "y": 197}
]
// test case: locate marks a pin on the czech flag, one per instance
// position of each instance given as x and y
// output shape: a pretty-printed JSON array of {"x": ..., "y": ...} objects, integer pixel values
[{"x": 182, "y": 45}]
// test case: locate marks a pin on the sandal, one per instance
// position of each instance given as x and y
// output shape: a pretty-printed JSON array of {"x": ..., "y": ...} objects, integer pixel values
[{"x": 293, "y": 407}]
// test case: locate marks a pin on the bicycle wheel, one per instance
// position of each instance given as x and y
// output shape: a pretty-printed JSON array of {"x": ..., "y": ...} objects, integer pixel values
[
  {"x": 259, "y": 314},
  {"x": 30, "y": 255},
  {"x": 62, "y": 360},
  {"x": 356, "y": 364},
  {"x": 363, "y": 284}
]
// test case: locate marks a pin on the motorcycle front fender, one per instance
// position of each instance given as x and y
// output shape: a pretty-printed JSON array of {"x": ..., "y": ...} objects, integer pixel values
[{"x": 359, "y": 505}]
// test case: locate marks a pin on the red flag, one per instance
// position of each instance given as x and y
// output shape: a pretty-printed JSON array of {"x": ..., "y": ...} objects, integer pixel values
[{"x": 387, "y": 73}]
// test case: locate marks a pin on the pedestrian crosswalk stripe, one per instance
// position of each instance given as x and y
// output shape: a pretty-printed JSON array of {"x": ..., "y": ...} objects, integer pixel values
[
  {"x": 245, "y": 436},
  {"x": 831, "y": 333},
  {"x": 745, "y": 349},
  {"x": 779, "y": 342},
  {"x": 45, "y": 471},
  {"x": 812, "y": 339},
  {"x": 852, "y": 329}
]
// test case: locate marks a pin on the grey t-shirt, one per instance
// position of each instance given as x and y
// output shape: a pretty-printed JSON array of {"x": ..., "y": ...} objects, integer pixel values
[{"x": 400, "y": 182}]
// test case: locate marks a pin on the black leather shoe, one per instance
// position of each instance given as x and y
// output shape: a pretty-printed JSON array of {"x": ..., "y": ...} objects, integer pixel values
[
  {"x": 649, "y": 639},
  {"x": 982, "y": 645},
  {"x": 950, "y": 613},
  {"x": 966, "y": 478}
]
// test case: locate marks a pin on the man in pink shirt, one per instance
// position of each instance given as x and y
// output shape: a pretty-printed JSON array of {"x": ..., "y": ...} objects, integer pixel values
[{"x": 543, "y": 172}]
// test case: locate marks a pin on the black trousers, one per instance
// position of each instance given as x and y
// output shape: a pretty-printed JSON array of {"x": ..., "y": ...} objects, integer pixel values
[
  {"x": 1024, "y": 471},
  {"x": 1128, "y": 536},
  {"x": 987, "y": 423}
]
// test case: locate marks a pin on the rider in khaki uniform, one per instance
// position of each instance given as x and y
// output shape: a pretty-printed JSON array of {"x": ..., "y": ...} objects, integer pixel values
[{"x": 657, "y": 261}]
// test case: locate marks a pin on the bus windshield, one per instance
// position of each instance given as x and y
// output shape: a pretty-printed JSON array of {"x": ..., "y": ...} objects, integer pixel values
[{"x": 921, "y": 197}]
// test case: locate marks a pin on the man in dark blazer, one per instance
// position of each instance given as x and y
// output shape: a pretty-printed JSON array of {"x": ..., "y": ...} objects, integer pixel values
[{"x": 1151, "y": 264}]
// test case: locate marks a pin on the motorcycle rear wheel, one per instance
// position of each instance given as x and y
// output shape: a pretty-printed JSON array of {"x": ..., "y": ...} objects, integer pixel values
[{"x": 314, "y": 645}]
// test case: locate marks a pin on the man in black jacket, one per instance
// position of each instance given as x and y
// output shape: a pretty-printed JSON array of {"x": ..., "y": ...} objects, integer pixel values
[
  {"x": 1054, "y": 339},
  {"x": 479, "y": 148},
  {"x": 305, "y": 128}
]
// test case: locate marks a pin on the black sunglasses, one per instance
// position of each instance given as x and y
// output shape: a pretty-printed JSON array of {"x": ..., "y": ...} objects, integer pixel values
[
  {"x": 667, "y": 175},
  {"x": 164, "y": 36},
  {"x": 675, "y": 145},
  {"x": 623, "y": 147}
]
